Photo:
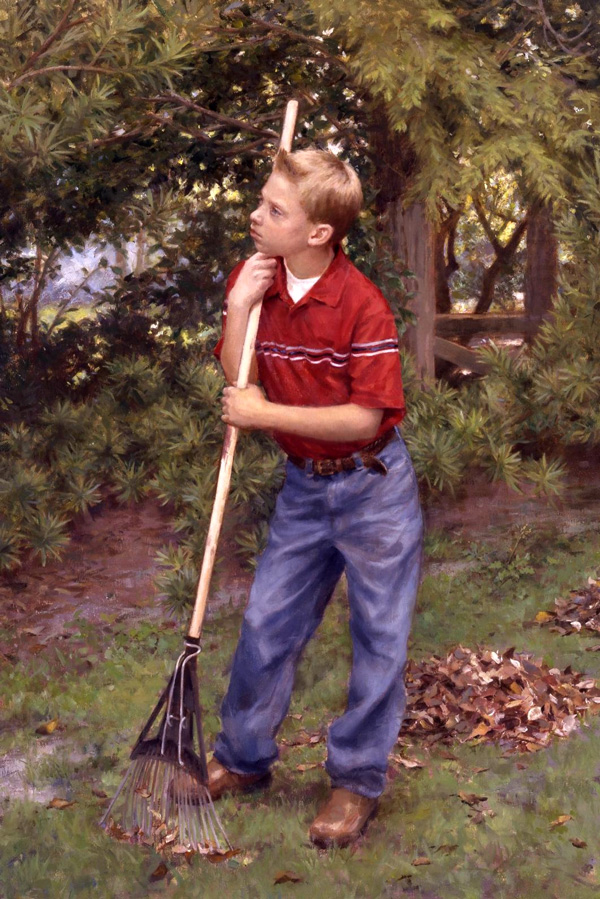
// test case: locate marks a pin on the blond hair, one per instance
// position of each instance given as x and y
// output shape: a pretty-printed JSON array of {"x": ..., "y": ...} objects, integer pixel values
[{"x": 329, "y": 188}]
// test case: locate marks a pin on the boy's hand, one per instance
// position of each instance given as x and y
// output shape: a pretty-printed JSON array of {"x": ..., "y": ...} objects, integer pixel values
[
  {"x": 244, "y": 407},
  {"x": 255, "y": 278}
]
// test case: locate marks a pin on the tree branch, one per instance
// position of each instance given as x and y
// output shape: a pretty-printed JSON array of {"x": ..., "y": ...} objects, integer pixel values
[
  {"x": 121, "y": 138},
  {"x": 75, "y": 67},
  {"x": 489, "y": 231},
  {"x": 288, "y": 32},
  {"x": 64, "y": 303},
  {"x": 238, "y": 124},
  {"x": 63, "y": 26}
]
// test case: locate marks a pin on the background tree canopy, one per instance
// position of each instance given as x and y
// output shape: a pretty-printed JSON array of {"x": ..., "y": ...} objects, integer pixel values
[{"x": 143, "y": 130}]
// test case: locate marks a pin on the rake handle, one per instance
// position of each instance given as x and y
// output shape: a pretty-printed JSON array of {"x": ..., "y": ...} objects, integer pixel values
[{"x": 231, "y": 432}]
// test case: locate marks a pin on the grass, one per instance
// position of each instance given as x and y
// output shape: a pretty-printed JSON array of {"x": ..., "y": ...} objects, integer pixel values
[{"x": 101, "y": 683}]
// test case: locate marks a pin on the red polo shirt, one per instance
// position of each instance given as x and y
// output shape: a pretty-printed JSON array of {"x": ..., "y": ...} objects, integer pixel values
[{"x": 338, "y": 344}]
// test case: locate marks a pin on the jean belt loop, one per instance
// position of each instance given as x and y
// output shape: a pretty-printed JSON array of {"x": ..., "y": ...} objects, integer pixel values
[
  {"x": 358, "y": 461},
  {"x": 309, "y": 469}
]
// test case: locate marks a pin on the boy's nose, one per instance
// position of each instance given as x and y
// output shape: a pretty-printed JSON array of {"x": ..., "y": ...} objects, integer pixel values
[{"x": 254, "y": 215}]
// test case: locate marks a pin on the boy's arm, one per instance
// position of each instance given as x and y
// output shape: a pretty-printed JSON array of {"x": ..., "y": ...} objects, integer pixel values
[
  {"x": 249, "y": 408},
  {"x": 254, "y": 279}
]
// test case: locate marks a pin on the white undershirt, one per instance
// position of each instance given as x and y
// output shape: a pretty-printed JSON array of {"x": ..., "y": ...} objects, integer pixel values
[{"x": 298, "y": 287}]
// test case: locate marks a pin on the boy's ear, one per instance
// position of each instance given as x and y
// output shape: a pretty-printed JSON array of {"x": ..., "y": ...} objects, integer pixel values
[{"x": 320, "y": 235}]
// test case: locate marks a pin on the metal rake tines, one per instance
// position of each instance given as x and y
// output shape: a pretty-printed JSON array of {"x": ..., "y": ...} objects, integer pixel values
[{"x": 162, "y": 804}]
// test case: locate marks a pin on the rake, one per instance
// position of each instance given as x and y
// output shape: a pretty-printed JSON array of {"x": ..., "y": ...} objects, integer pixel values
[{"x": 164, "y": 798}]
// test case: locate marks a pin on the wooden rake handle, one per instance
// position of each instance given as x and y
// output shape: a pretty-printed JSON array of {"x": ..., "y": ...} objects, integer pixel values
[{"x": 231, "y": 432}]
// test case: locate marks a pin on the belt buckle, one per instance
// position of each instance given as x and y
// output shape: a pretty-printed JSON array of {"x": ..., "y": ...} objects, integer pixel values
[{"x": 325, "y": 467}]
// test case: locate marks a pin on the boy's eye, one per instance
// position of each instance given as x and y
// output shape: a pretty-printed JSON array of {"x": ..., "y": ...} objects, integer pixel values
[{"x": 275, "y": 210}]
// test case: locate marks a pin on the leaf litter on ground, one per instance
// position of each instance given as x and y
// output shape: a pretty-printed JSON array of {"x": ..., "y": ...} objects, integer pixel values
[
  {"x": 505, "y": 697},
  {"x": 579, "y": 611}
]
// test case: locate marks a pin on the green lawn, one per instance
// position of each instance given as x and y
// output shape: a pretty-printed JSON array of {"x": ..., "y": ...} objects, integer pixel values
[{"x": 101, "y": 682}]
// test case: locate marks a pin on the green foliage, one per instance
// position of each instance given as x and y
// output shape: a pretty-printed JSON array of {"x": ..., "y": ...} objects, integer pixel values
[
  {"x": 129, "y": 480},
  {"x": 46, "y": 534},
  {"x": 10, "y": 549},
  {"x": 179, "y": 580},
  {"x": 134, "y": 382}
]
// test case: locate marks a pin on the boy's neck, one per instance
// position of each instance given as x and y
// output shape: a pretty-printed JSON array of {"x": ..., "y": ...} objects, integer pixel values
[{"x": 310, "y": 263}]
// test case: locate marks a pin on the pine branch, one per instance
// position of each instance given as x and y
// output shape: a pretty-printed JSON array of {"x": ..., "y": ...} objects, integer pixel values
[
  {"x": 74, "y": 67},
  {"x": 120, "y": 138},
  {"x": 63, "y": 26},
  {"x": 238, "y": 124},
  {"x": 563, "y": 43},
  {"x": 288, "y": 32}
]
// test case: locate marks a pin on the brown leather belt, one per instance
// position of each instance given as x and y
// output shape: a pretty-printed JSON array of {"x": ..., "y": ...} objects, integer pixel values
[{"x": 367, "y": 454}]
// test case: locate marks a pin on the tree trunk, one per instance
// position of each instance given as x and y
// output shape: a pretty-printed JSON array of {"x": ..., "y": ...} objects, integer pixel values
[
  {"x": 488, "y": 285},
  {"x": 443, "y": 301},
  {"x": 445, "y": 260},
  {"x": 504, "y": 255},
  {"x": 411, "y": 232},
  {"x": 541, "y": 272},
  {"x": 413, "y": 240}
]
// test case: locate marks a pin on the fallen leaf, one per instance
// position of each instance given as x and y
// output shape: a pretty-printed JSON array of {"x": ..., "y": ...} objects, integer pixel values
[
  {"x": 579, "y": 844},
  {"x": 180, "y": 850},
  {"x": 48, "y": 727},
  {"x": 421, "y": 860},
  {"x": 159, "y": 873},
  {"x": 447, "y": 848},
  {"x": 407, "y": 763},
  {"x": 99, "y": 793},
  {"x": 562, "y": 819},
  {"x": 308, "y": 766},
  {"x": 543, "y": 617},
  {"x": 480, "y": 731},
  {"x": 216, "y": 858},
  {"x": 60, "y": 803},
  {"x": 117, "y": 832},
  {"x": 287, "y": 877},
  {"x": 471, "y": 798}
]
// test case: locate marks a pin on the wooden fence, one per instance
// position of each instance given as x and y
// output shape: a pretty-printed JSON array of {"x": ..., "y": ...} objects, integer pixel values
[{"x": 432, "y": 337}]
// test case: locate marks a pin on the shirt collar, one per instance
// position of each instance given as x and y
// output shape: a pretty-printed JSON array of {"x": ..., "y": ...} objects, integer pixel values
[{"x": 328, "y": 288}]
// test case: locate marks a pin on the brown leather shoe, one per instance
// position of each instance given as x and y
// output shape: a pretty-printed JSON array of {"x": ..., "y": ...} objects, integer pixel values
[
  {"x": 342, "y": 820},
  {"x": 220, "y": 780}
]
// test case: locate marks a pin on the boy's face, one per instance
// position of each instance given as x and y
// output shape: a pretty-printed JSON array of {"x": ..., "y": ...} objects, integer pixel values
[{"x": 279, "y": 225}]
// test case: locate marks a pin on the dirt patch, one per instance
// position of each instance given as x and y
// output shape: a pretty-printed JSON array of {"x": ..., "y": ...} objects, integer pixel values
[
  {"x": 108, "y": 570},
  {"x": 482, "y": 510}
]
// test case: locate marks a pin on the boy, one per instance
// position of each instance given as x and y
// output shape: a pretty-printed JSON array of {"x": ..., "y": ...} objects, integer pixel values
[{"x": 327, "y": 358}]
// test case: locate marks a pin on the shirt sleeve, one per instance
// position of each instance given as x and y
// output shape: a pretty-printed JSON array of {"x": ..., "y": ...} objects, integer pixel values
[
  {"x": 228, "y": 286},
  {"x": 374, "y": 370}
]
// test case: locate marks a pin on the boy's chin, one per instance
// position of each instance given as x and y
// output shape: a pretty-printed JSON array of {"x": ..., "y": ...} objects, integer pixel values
[{"x": 264, "y": 248}]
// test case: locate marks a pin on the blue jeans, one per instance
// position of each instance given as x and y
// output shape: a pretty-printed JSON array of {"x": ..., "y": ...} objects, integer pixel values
[{"x": 371, "y": 526}]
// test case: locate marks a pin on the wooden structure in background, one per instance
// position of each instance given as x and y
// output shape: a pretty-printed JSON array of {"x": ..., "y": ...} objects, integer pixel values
[{"x": 434, "y": 333}]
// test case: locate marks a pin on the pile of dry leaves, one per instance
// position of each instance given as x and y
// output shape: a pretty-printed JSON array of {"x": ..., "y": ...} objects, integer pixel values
[
  {"x": 580, "y": 611},
  {"x": 508, "y": 698}
]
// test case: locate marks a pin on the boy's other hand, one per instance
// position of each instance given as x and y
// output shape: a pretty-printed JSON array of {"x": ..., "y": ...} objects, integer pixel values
[
  {"x": 244, "y": 407},
  {"x": 255, "y": 278}
]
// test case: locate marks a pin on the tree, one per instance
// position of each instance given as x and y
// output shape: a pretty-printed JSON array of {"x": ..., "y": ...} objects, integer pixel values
[
  {"x": 70, "y": 78},
  {"x": 470, "y": 87}
]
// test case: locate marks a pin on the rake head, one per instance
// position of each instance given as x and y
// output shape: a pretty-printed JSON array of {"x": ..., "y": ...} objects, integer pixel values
[{"x": 163, "y": 799}]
